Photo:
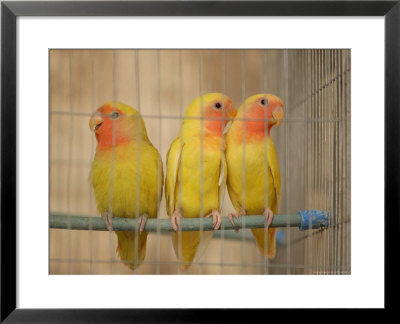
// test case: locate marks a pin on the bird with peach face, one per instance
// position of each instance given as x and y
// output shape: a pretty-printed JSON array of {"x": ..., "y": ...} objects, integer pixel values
[
  {"x": 196, "y": 172},
  {"x": 254, "y": 182},
  {"x": 126, "y": 175}
]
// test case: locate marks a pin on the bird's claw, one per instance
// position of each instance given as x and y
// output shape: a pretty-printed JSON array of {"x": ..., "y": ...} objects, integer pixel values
[
  {"x": 107, "y": 217},
  {"x": 217, "y": 219},
  {"x": 142, "y": 222},
  {"x": 230, "y": 217},
  {"x": 241, "y": 212},
  {"x": 176, "y": 219},
  {"x": 269, "y": 216}
]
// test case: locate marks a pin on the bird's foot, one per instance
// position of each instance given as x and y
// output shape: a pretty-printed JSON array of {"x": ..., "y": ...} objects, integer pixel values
[
  {"x": 269, "y": 216},
  {"x": 107, "y": 217},
  {"x": 142, "y": 222},
  {"x": 242, "y": 212},
  {"x": 176, "y": 219},
  {"x": 217, "y": 219}
]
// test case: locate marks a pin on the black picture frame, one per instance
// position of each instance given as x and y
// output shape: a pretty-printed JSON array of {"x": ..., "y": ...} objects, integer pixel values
[{"x": 10, "y": 10}]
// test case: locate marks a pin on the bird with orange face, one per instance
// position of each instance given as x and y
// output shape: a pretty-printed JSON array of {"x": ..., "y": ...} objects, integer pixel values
[
  {"x": 196, "y": 172},
  {"x": 126, "y": 175},
  {"x": 254, "y": 182}
]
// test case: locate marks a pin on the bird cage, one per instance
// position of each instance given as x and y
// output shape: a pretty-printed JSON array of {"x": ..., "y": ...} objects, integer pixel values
[{"x": 312, "y": 144}]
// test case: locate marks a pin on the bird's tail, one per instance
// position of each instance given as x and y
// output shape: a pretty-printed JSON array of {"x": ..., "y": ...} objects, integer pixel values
[
  {"x": 190, "y": 245},
  {"x": 131, "y": 250},
  {"x": 259, "y": 235}
]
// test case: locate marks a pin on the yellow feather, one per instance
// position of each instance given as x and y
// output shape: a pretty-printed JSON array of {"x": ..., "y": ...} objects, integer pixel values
[
  {"x": 173, "y": 163},
  {"x": 184, "y": 191},
  {"x": 246, "y": 181},
  {"x": 126, "y": 180},
  {"x": 255, "y": 168},
  {"x": 195, "y": 178}
]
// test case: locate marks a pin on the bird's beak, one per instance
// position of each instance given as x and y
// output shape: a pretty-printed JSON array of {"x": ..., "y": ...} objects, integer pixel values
[
  {"x": 95, "y": 122},
  {"x": 231, "y": 113},
  {"x": 278, "y": 115}
]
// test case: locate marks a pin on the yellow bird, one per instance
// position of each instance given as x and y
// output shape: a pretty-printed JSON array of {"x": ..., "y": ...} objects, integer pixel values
[
  {"x": 196, "y": 172},
  {"x": 126, "y": 175},
  {"x": 254, "y": 182}
]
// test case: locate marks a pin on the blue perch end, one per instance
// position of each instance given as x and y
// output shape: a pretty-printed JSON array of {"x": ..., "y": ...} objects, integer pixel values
[
  {"x": 315, "y": 218},
  {"x": 280, "y": 237}
]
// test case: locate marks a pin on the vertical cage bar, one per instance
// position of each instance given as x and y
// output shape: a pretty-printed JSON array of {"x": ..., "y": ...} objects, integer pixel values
[
  {"x": 308, "y": 93},
  {"x": 92, "y": 147},
  {"x": 113, "y": 144},
  {"x": 287, "y": 152},
  {"x": 159, "y": 164},
  {"x": 201, "y": 160},
  {"x": 69, "y": 169},
  {"x": 223, "y": 87},
  {"x": 180, "y": 263},
  {"x": 138, "y": 152},
  {"x": 266, "y": 169},
  {"x": 243, "y": 69}
]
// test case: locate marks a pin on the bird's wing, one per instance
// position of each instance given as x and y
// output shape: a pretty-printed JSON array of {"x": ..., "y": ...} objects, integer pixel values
[
  {"x": 173, "y": 162},
  {"x": 274, "y": 168},
  {"x": 222, "y": 179}
]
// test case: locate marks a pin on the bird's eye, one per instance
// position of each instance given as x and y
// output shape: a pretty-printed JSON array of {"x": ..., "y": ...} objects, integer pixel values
[
  {"x": 114, "y": 115},
  {"x": 217, "y": 105},
  {"x": 264, "y": 102}
]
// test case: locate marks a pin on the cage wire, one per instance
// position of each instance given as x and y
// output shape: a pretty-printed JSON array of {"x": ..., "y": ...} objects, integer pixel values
[{"x": 312, "y": 144}]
